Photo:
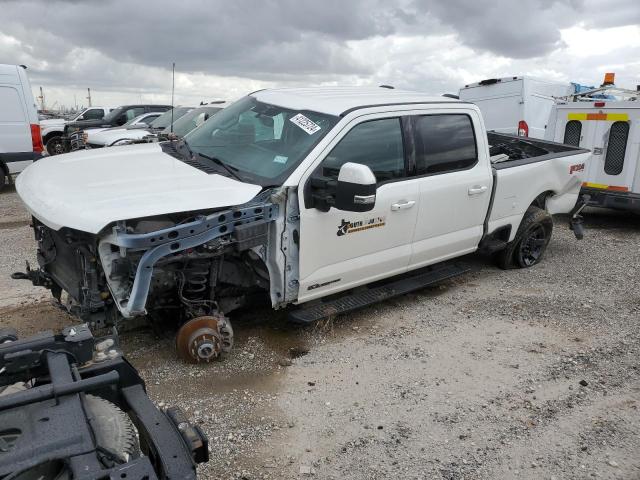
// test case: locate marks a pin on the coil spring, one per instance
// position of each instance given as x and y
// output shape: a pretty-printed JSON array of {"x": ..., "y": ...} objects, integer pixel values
[{"x": 196, "y": 278}]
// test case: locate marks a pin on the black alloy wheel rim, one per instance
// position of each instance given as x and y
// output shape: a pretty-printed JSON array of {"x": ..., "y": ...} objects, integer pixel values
[{"x": 532, "y": 246}]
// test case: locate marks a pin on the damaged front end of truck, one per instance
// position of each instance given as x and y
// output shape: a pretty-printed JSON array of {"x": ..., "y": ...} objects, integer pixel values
[{"x": 190, "y": 270}]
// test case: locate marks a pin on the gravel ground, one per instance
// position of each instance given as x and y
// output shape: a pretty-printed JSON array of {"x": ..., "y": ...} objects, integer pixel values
[{"x": 530, "y": 374}]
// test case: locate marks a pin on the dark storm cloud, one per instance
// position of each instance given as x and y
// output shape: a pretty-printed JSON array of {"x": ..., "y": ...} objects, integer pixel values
[{"x": 281, "y": 39}]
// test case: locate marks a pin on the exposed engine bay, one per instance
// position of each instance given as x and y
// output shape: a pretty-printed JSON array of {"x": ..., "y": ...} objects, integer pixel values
[{"x": 187, "y": 269}]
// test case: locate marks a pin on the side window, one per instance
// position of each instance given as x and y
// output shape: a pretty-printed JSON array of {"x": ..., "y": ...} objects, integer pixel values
[
  {"x": 134, "y": 112},
  {"x": 572, "y": 132},
  {"x": 616, "y": 148},
  {"x": 376, "y": 143},
  {"x": 148, "y": 119},
  {"x": 94, "y": 113},
  {"x": 444, "y": 143}
]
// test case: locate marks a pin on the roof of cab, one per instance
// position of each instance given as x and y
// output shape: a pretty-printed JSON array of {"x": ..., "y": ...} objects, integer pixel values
[{"x": 341, "y": 100}]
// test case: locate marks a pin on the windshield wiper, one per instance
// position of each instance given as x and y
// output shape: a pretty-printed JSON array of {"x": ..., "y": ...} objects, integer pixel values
[{"x": 229, "y": 169}]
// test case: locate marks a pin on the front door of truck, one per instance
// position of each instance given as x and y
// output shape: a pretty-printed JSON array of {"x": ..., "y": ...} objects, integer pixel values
[
  {"x": 341, "y": 249},
  {"x": 455, "y": 185}
]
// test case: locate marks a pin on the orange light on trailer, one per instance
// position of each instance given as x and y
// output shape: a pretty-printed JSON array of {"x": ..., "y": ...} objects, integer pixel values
[
  {"x": 523, "y": 129},
  {"x": 609, "y": 79}
]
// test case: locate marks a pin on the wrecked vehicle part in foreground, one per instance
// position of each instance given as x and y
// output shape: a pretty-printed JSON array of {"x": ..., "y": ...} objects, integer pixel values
[
  {"x": 292, "y": 196},
  {"x": 72, "y": 407}
]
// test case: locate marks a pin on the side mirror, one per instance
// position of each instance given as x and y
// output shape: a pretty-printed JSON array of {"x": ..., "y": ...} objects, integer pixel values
[
  {"x": 81, "y": 117},
  {"x": 356, "y": 190}
]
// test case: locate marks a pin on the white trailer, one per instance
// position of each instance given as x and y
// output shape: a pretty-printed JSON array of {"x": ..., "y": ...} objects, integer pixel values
[
  {"x": 515, "y": 105},
  {"x": 610, "y": 128}
]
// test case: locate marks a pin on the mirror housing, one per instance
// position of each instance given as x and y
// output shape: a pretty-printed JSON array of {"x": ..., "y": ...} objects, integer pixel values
[{"x": 356, "y": 189}]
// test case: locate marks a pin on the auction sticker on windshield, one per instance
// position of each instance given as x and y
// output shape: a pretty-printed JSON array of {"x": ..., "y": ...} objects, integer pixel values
[{"x": 305, "y": 124}]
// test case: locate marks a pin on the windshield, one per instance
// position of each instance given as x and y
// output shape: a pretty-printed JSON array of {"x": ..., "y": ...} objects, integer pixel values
[
  {"x": 164, "y": 120},
  {"x": 191, "y": 120},
  {"x": 261, "y": 140}
]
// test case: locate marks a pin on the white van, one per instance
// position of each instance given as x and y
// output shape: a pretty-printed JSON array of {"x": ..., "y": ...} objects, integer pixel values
[
  {"x": 515, "y": 105},
  {"x": 611, "y": 130},
  {"x": 20, "y": 139}
]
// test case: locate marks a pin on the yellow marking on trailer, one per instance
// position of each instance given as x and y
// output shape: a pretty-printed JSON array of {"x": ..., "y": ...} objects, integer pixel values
[
  {"x": 608, "y": 117},
  {"x": 595, "y": 185},
  {"x": 618, "y": 117}
]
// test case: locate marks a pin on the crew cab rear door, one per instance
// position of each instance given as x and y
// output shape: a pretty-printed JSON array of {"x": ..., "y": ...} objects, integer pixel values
[
  {"x": 340, "y": 249},
  {"x": 455, "y": 183}
]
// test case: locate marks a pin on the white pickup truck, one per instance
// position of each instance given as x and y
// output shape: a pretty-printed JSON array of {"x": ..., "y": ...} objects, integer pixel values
[
  {"x": 53, "y": 129},
  {"x": 295, "y": 196}
]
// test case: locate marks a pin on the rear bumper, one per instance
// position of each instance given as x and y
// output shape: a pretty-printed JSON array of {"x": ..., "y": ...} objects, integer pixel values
[{"x": 611, "y": 199}]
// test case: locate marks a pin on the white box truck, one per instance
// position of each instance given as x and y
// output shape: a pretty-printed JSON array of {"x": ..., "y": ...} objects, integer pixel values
[
  {"x": 20, "y": 139},
  {"x": 515, "y": 105}
]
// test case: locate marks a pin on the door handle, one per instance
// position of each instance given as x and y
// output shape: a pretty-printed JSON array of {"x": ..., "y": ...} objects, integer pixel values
[
  {"x": 477, "y": 189},
  {"x": 402, "y": 206}
]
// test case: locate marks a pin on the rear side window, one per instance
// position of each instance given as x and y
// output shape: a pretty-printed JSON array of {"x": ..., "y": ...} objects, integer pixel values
[
  {"x": 93, "y": 114},
  {"x": 572, "y": 132},
  {"x": 616, "y": 148},
  {"x": 376, "y": 144},
  {"x": 444, "y": 143},
  {"x": 10, "y": 105}
]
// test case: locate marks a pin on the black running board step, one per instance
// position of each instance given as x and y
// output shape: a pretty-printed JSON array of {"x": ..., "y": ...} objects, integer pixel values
[{"x": 393, "y": 288}]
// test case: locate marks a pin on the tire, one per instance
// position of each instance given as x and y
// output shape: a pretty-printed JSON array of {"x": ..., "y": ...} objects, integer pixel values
[
  {"x": 530, "y": 242},
  {"x": 3, "y": 178},
  {"x": 54, "y": 145}
]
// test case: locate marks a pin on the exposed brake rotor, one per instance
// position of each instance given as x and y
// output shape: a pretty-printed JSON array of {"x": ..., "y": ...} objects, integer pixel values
[{"x": 203, "y": 339}]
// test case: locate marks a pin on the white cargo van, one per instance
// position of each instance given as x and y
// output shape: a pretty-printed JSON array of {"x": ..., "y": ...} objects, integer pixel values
[
  {"x": 611, "y": 130},
  {"x": 20, "y": 140},
  {"x": 515, "y": 105}
]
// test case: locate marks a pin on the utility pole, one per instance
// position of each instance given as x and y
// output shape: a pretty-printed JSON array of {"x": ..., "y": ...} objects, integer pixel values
[
  {"x": 41, "y": 97},
  {"x": 89, "y": 95},
  {"x": 75, "y": 101}
]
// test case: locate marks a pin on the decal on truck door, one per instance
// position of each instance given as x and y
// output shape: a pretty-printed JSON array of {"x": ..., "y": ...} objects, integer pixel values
[{"x": 352, "y": 227}]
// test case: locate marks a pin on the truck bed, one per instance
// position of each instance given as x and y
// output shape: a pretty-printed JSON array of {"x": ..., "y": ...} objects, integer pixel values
[
  {"x": 531, "y": 171},
  {"x": 509, "y": 151}
]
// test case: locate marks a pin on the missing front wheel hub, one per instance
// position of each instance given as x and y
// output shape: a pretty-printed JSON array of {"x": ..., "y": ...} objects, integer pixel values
[{"x": 204, "y": 339}]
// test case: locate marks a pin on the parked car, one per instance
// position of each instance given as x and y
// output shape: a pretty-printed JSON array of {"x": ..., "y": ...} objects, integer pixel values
[
  {"x": 139, "y": 123},
  {"x": 610, "y": 128},
  {"x": 20, "y": 139},
  {"x": 515, "y": 105},
  {"x": 126, "y": 134},
  {"x": 53, "y": 129},
  {"x": 116, "y": 118},
  {"x": 298, "y": 196}
]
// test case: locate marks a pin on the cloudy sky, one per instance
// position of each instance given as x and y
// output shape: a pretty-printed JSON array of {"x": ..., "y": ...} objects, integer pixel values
[{"x": 123, "y": 49}]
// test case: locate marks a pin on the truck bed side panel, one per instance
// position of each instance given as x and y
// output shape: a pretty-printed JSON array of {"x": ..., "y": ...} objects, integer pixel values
[{"x": 517, "y": 187}]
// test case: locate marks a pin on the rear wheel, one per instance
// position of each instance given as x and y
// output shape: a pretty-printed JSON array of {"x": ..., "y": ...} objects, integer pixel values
[
  {"x": 530, "y": 242},
  {"x": 55, "y": 146}
]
